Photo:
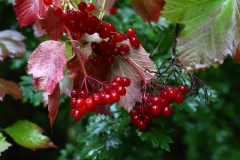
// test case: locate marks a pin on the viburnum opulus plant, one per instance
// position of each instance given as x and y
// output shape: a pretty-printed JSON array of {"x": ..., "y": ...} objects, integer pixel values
[{"x": 108, "y": 66}]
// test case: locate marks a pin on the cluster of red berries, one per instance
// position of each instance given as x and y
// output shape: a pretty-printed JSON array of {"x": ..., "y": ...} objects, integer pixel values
[
  {"x": 84, "y": 21},
  {"x": 152, "y": 105},
  {"x": 83, "y": 101}
]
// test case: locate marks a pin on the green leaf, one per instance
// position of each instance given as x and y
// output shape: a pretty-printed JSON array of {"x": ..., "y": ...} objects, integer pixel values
[
  {"x": 157, "y": 135},
  {"x": 103, "y": 134},
  {"x": 212, "y": 31},
  {"x": 3, "y": 143},
  {"x": 28, "y": 134}
]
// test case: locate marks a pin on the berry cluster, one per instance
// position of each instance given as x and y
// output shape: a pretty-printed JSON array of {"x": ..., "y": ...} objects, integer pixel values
[
  {"x": 152, "y": 105},
  {"x": 83, "y": 101}
]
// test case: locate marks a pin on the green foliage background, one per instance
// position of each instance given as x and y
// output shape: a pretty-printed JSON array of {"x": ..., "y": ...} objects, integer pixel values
[{"x": 200, "y": 131}]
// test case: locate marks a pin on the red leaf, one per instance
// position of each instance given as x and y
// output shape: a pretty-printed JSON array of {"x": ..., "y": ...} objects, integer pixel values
[
  {"x": 140, "y": 59},
  {"x": 53, "y": 103},
  {"x": 149, "y": 10},
  {"x": 46, "y": 63},
  {"x": 104, "y": 110},
  {"x": 37, "y": 28},
  {"x": 8, "y": 87},
  {"x": 28, "y": 11},
  {"x": 11, "y": 44},
  {"x": 52, "y": 25},
  {"x": 236, "y": 55}
]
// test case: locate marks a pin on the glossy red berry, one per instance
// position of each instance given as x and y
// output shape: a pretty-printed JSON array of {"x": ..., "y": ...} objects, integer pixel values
[
  {"x": 118, "y": 37},
  {"x": 179, "y": 98},
  {"x": 90, "y": 103},
  {"x": 121, "y": 90},
  {"x": 156, "y": 110},
  {"x": 167, "y": 111},
  {"x": 135, "y": 119},
  {"x": 132, "y": 113},
  {"x": 107, "y": 98},
  {"x": 57, "y": 11},
  {"x": 72, "y": 102},
  {"x": 131, "y": 32},
  {"x": 74, "y": 94},
  {"x": 126, "y": 82},
  {"x": 113, "y": 10},
  {"x": 141, "y": 125},
  {"x": 97, "y": 98},
  {"x": 76, "y": 114},
  {"x": 82, "y": 6},
  {"x": 124, "y": 48},
  {"x": 134, "y": 41},
  {"x": 80, "y": 103},
  {"x": 90, "y": 7},
  {"x": 47, "y": 2},
  {"x": 115, "y": 96},
  {"x": 183, "y": 89}
]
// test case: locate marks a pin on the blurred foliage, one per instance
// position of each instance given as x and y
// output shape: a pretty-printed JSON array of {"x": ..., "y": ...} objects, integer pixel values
[{"x": 201, "y": 131}]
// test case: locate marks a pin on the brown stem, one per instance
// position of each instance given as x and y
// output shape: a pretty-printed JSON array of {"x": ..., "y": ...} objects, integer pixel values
[{"x": 136, "y": 68}]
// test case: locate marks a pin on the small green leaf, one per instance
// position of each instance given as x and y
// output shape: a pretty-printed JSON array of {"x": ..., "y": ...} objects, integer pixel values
[
  {"x": 28, "y": 134},
  {"x": 3, "y": 143}
]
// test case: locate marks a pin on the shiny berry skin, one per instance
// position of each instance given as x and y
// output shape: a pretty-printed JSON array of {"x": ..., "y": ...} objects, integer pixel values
[
  {"x": 126, "y": 82},
  {"x": 183, "y": 89},
  {"x": 131, "y": 32},
  {"x": 47, "y": 2},
  {"x": 76, "y": 114},
  {"x": 124, "y": 48},
  {"x": 83, "y": 110},
  {"x": 121, "y": 90},
  {"x": 132, "y": 113},
  {"x": 141, "y": 125},
  {"x": 90, "y": 7},
  {"x": 118, "y": 37},
  {"x": 97, "y": 98},
  {"x": 82, "y": 6},
  {"x": 90, "y": 103},
  {"x": 57, "y": 11},
  {"x": 107, "y": 98},
  {"x": 134, "y": 41},
  {"x": 179, "y": 98},
  {"x": 80, "y": 103},
  {"x": 135, "y": 119},
  {"x": 115, "y": 95},
  {"x": 156, "y": 110},
  {"x": 167, "y": 111},
  {"x": 72, "y": 102},
  {"x": 74, "y": 94}
]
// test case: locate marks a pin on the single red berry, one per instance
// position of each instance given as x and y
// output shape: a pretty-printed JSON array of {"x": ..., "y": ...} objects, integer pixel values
[
  {"x": 131, "y": 32},
  {"x": 110, "y": 27},
  {"x": 126, "y": 82},
  {"x": 115, "y": 85},
  {"x": 57, "y": 11},
  {"x": 90, "y": 7},
  {"x": 64, "y": 29},
  {"x": 167, "y": 111},
  {"x": 113, "y": 10},
  {"x": 139, "y": 109},
  {"x": 141, "y": 125},
  {"x": 72, "y": 102},
  {"x": 83, "y": 110},
  {"x": 116, "y": 51},
  {"x": 147, "y": 118},
  {"x": 76, "y": 114},
  {"x": 84, "y": 93},
  {"x": 82, "y": 6},
  {"x": 110, "y": 59},
  {"x": 90, "y": 103},
  {"x": 97, "y": 98},
  {"x": 74, "y": 94},
  {"x": 102, "y": 45},
  {"x": 118, "y": 37},
  {"x": 134, "y": 41},
  {"x": 80, "y": 103},
  {"x": 118, "y": 79},
  {"x": 107, "y": 98},
  {"x": 135, "y": 119},
  {"x": 156, "y": 110},
  {"x": 179, "y": 98},
  {"x": 121, "y": 90},
  {"x": 183, "y": 89},
  {"x": 106, "y": 88},
  {"x": 104, "y": 33},
  {"x": 132, "y": 113},
  {"x": 115, "y": 96},
  {"x": 47, "y": 2},
  {"x": 124, "y": 48}
]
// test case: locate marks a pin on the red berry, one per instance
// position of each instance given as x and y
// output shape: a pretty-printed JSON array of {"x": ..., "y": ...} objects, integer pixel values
[
  {"x": 156, "y": 110},
  {"x": 57, "y": 11},
  {"x": 121, "y": 90},
  {"x": 183, "y": 89},
  {"x": 90, "y": 7},
  {"x": 113, "y": 10},
  {"x": 107, "y": 98},
  {"x": 124, "y": 48},
  {"x": 90, "y": 103},
  {"x": 134, "y": 41},
  {"x": 76, "y": 114},
  {"x": 141, "y": 125},
  {"x": 74, "y": 94},
  {"x": 115, "y": 85},
  {"x": 126, "y": 82},
  {"x": 131, "y": 32},
  {"x": 82, "y": 6},
  {"x": 118, "y": 79},
  {"x": 110, "y": 27},
  {"x": 83, "y": 110},
  {"x": 132, "y": 113},
  {"x": 179, "y": 98},
  {"x": 72, "y": 102},
  {"x": 64, "y": 29},
  {"x": 115, "y": 96},
  {"x": 110, "y": 59},
  {"x": 135, "y": 119},
  {"x": 147, "y": 118},
  {"x": 80, "y": 103},
  {"x": 167, "y": 111},
  {"x": 118, "y": 37},
  {"x": 116, "y": 51},
  {"x": 97, "y": 98},
  {"x": 47, "y": 2},
  {"x": 84, "y": 93}
]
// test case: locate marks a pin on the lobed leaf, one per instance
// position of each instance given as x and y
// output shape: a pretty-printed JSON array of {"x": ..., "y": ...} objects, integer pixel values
[
  {"x": 46, "y": 63},
  {"x": 28, "y": 11},
  {"x": 3, "y": 144},
  {"x": 8, "y": 87},
  {"x": 11, "y": 44},
  {"x": 28, "y": 134},
  {"x": 140, "y": 59},
  {"x": 211, "y": 31},
  {"x": 149, "y": 10},
  {"x": 52, "y": 25}
]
